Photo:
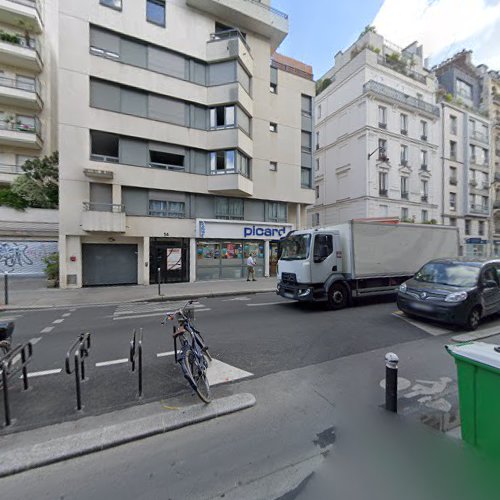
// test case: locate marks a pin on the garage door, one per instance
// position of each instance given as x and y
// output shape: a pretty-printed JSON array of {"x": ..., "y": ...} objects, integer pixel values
[{"x": 109, "y": 264}]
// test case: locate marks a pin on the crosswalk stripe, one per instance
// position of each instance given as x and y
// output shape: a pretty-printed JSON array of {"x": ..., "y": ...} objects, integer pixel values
[
  {"x": 42, "y": 373},
  {"x": 112, "y": 362},
  {"x": 47, "y": 329},
  {"x": 152, "y": 314}
]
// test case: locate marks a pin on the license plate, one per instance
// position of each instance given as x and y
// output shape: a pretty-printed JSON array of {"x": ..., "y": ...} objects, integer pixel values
[{"x": 421, "y": 307}]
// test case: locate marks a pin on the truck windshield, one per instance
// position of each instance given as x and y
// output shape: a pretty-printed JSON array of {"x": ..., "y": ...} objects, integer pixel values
[
  {"x": 295, "y": 247},
  {"x": 444, "y": 273}
]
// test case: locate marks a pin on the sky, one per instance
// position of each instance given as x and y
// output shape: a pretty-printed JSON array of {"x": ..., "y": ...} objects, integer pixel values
[{"x": 320, "y": 28}]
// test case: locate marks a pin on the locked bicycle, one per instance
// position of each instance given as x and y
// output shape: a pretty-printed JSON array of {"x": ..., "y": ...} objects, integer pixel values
[{"x": 193, "y": 355}]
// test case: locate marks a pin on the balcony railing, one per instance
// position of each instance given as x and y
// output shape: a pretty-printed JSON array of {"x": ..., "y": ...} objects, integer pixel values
[
  {"x": 405, "y": 195},
  {"x": 396, "y": 95},
  {"x": 383, "y": 192},
  {"x": 269, "y": 8},
  {"x": 16, "y": 125},
  {"x": 453, "y": 180},
  {"x": 5, "y": 168},
  {"x": 424, "y": 167},
  {"x": 478, "y": 209},
  {"x": 35, "y": 4},
  {"x": 424, "y": 198},
  {"x": 400, "y": 67},
  {"x": 291, "y": 69},
  {"x": 496, "y": 204},
  {"x": 404, "y": 132},
  {"x": 473, "y": 182},
  {"x": 90, "y": 206},
  {"x": 423, "y": 138},
  {"x": 27, "y": 42},
  {"x": 228, "y": 35},
  {"x": 479, "y": 136},
  {"x": 15, "y": 84}
]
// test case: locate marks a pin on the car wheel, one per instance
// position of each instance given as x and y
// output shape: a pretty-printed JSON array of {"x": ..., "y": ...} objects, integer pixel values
[
  {"x": 337, "y": 297},
  {"x": 473, "y": 319}
]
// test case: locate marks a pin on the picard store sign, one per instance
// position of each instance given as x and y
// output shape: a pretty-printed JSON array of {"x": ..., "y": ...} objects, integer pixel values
[{"x": 217, "y": 229}]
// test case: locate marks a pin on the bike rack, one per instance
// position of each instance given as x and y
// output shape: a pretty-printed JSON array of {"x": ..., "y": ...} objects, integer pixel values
[
  {"x": 80, "y": 351},
  {"x": 136, "y": 355},
  {"x": 12, "y": 363}
]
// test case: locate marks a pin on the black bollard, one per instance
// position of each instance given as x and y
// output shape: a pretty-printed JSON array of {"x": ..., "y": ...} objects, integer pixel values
[
  {"x": 391, "y": 382},
  {"x": 159, "y": 284},
  {"x": 6, "y": 288}
]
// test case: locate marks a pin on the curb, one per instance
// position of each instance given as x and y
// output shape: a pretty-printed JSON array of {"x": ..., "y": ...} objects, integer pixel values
[
  {"x": 94, "y": 440},
  {"x": 162, "y": 298}
]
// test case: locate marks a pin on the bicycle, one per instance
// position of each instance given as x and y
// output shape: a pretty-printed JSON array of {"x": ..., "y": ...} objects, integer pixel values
[{"x": 193, "y": 355}]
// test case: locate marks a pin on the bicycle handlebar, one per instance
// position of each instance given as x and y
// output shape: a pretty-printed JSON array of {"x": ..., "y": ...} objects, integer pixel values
[{"x": 176, "y": 312}]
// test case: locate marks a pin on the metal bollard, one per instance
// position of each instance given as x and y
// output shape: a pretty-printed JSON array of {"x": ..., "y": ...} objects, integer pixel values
[
  {"x": 159, "y": 284},
  {"x": 6, "y": 288},
  {"x": 391, "y": 382}
]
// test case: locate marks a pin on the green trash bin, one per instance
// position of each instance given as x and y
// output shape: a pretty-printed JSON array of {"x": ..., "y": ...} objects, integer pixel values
[{"x": 478, "y": 368}]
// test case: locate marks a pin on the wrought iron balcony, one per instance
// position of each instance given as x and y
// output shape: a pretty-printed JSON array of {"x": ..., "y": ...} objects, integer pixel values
[
  {"x": 383, "y": 192},
  {"x": 424, "y": 198},
  {"x": 383, "y": 90},
  {"x": 453, "y": 180}
]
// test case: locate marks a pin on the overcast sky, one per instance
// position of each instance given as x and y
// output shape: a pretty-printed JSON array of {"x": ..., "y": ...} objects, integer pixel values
[{"x": 320, "y": 28}]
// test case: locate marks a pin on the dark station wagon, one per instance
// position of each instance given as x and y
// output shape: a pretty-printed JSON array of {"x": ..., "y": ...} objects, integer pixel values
[{"x": 460, "y": 291}]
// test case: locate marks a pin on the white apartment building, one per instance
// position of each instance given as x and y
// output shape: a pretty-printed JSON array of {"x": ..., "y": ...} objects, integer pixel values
[
  {"x": 179, "y": 139},
  {"x": 466, "y": 154},
  {"x": 377, "y": 136}
]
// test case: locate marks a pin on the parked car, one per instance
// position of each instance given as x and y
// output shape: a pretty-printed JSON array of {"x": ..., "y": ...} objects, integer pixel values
[{"x": 460, "y": 291}]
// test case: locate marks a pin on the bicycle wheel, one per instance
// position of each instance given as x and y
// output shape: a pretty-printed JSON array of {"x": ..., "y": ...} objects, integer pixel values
[
  {"x": 197, "y": 376},
  {"x": 4, "y": 347}
]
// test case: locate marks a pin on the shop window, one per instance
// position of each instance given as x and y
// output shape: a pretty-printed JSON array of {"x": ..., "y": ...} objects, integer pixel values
[
  {"x": 161, "y": 208},
  {"x": 229, "y": 208}
]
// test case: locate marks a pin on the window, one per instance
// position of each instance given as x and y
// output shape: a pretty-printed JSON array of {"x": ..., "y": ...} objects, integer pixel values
[
  {"x": 25, "y": 123},
  {"x": 316, "y": 190},
  {"x": 273, "y": 127},
  {"x": 423, "y": 159},
  {"x": 273, "y": 166},
  {"x": 425, "y": 216},
  {"x": 155, "y": 12},
  {"x": 467, "y": 226},
  {"x": 315, "y": 219},
  {"x": 382, "y": 117},
  {"x": 453, "y": 150},
  {"x": 486, "y": 157},
  {"x": 114, "y": 4},
  {"x": 276, "y": 211},
  {"x": 306, "y": 105},
  {"x": 484, "y": 203},
  {"x": 161, "y": 208},
  {"x": 404, "y": 124},
  {"x": 222, "y": 117},
  {"x": 382, "y": 183},
  {"x": 405, "y": 216},
  {"x": 104, "y": 146},
  {"x": 305, "y": 177},
  {"x": 423, "y": 130},
  {"x": 273, "y": 88},
  {"x": 453, "y": 201},
  {"x": 404, "y": 187},
  {"x": 317, "y": 163},
  {"x": 382, "y": 148},
  {"x": 464, "y": 89},
  {"x": 317, "y": 140},
  {"x": 229, "y": 208},
  {"x": 453, "y": 221},
  {"x": 424, "y": 187},
  {"x": 169, "y": 161},
  {"x": 404, "y": 155},
  {"x": 319, "y": 112},
  {"x": 472, "y": 152},
  {"x": 453, "y": 175},
  {"x": 306, "y": 142},
  {"x": 222, "y": 162},
  {"x": 481, "y": 228},
  {"x": 323, "y": 247},
  {"x": 453, "y": 125},
  {"x": 26, "y": 83}
]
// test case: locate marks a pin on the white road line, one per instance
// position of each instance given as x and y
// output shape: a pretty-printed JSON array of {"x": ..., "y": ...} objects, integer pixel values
[
  {"x": 268, "y": 303},
  {"x": 152, "y": 315},
  {"x": 220, "y": 373},
  {"x": 47, "y": 329},
  {"x": 72, "y": 310},
  {"x": 35, "y": 340},
  {"x": 57, "y": 321},
  {"x": 435, "y": 331},
  {"x": 163, "y": 354},
  {"x": 65, "y": 315},
  {"x": 112, "y": 362},
  {"x": 42, "y": 373},
  {"x": 147, "y": 310}
]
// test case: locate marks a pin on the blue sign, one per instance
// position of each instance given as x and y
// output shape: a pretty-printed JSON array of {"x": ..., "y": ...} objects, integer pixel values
[
  {"x": 476, "y": 241},
  {"x": 269, "y": 232}
]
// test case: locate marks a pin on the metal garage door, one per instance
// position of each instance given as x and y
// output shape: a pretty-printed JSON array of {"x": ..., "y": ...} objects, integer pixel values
[{"x": 109, "y": 264}]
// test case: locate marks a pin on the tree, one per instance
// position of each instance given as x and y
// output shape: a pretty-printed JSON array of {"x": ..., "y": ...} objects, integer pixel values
[{"x": 10, "y": 199}]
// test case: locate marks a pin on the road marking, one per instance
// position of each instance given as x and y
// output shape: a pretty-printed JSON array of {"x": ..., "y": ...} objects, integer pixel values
[
  {"x": 65, "y": 315},
  {"x": 163, "y": 354},
  {"x": 428, "y": 328},
  {"x": 72, "y": 310},
  {"x": 268, "y": 303},
  {"x": 219, "y": 373},
  {"x": 153, "y": 314},
  {"x": 57, "y": 321},
  {"x": 42, "y": 373},
  {"x": 112, "y": 362},
  {"x": 35, "y": 340},
  {"x": 150, "y": 307},
  {"x": 47, "y": 329},
  {"x": 237, "y": 298}
]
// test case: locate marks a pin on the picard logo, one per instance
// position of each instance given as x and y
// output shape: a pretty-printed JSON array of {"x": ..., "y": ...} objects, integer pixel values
[{"x": 264, "y": 231}]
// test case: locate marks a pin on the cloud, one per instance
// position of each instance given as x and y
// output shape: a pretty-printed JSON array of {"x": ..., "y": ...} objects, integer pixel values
[{"x": 444, "y": 27}]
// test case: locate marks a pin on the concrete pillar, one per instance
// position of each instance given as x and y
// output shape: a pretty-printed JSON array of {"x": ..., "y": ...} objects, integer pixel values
[
  {"x": 192, "y": 260},
  {"x": 266, "y": 259},
  {"x": 63, "y": 268},
  {"x": 298, "y": 222},
  {"x": 145, "y": 260},
  {"x": 117, "y": 194}
]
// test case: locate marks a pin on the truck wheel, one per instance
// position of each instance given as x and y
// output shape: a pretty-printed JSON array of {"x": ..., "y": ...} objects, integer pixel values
[{"x": 337, "y": 296}]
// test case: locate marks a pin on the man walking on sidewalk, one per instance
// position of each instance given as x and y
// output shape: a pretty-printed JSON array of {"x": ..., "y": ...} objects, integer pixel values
[{"x": 251, "y": 267}]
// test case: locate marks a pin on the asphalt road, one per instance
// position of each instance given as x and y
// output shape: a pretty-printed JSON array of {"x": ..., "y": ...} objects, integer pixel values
[{"x": 259, "y": 334}]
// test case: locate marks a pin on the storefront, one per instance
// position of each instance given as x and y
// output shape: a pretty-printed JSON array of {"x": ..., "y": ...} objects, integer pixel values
[
  {"x": 222, "y": 248},
  {"x": 475, "y": 247}
]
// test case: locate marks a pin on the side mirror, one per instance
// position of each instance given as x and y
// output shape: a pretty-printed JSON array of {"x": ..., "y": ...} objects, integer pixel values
[{"x": 490, "y": 284}]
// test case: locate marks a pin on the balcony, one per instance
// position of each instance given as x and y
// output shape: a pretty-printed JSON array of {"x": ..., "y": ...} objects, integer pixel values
[
  {"x": 423, "y": 138},
  {"x": 390, "y": 95},
  {"x": 405, "y": 195},
  {"x": 404, "y": 132},
  {"x": 480, "y": 137},
  {"x": 473, "y": 183},
  {"x": 383, "y": 192},
  {"x": 453, "y": 181},
  {"x": 20, "y": 52},
  {"x": 22, "y": 13},
  {"x": 496, "y": 204},
  {"x": 20, "y": 94},
  {"x": 103, "y": 218},
  {"x": 424, "y": 167},
  {"x": 15, "y": 133},
  {"x": 478, "y": 209},
  {"x": 382, "y": 125},
  {"x": 424, "y": 198},
  {"x": 400, "y": 66},
  {"x": 228, "y": 44},
  {"x": 230, "y": 184},
  {"x": 481, "y": 164},
  {"x": 253, "y": 15}
]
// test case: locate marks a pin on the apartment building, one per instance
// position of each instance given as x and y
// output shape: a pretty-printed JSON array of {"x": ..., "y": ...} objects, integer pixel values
[
  {"x": 27, "y": 130},
  {"x": 180, "y": 140},
  {"x": 377, "y": 136},
  {"x": 466, "y": 158}
]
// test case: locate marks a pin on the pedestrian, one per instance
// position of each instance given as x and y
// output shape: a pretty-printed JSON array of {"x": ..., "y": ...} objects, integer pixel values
[{"x": 251, "y": 267}]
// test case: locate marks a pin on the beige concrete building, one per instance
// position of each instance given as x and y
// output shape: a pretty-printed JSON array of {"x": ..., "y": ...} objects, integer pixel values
[{"x": 179, "y": 138}]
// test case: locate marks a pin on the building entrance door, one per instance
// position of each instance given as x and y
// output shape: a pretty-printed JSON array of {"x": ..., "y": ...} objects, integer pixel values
[{"x": 171, "y": 256}]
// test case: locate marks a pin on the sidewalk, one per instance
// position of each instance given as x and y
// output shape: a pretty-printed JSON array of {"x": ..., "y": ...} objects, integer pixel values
[{"x": 39, "y": 297}]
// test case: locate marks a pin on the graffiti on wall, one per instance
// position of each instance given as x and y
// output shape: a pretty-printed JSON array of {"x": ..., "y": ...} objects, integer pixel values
[{"x": 25, "y": 257}]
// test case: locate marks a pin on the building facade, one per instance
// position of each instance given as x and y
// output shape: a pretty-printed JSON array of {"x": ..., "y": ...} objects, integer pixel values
[
  {"x": 180, "y": 149},
  {"x": 377, "y": 136},
  {"x": 466, "y": 154}
]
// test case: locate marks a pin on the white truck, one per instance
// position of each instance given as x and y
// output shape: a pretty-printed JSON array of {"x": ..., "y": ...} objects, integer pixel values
[{"x": 357, "y": 259}]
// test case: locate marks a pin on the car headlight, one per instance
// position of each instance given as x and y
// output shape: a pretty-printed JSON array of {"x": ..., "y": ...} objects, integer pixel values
[
  {"x": 402, "y": 288},
  {"x": 456, "y": 297}
]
